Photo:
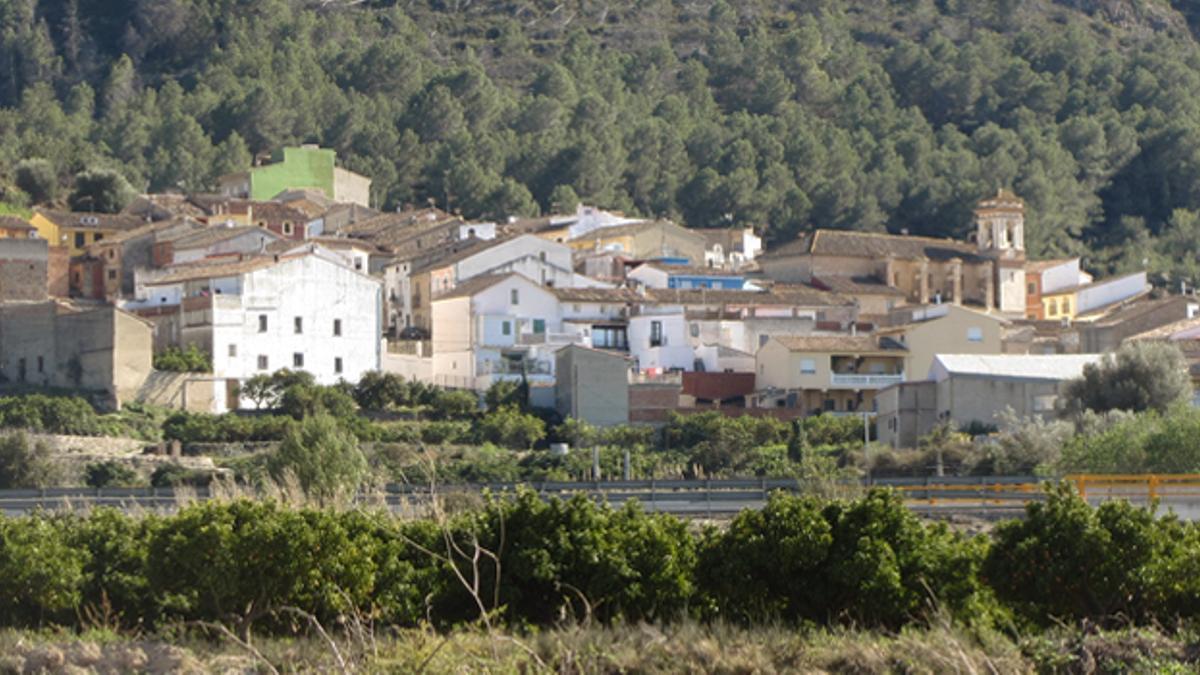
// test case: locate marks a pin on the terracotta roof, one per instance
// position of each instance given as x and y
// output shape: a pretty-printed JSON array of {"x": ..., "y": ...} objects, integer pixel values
[
  {"x": 876, "y": 245},
  {"x": 14, "y": 223},
  {"x": 216, "y": 234},
  {"x": 1136, "y": 308},
  {"x": 97, "y": 221},
  {"x": 420, "y": 219},
  {"x": 1184, "y": 329},
  {"x": 277, "y": 212},
  {"x": 474, "y": 285},
  {"x": 778, "y": 295},
  {"x": 610, "y": 295},
  {"x": 631, "y": 228},
  {"x": 1043, "y": 265},
  {"x": 150, "y": 228},
  {"x": 213, "y": 270},
  {"x": 691, "y": 270},
  {"x": 841, "y": 342},
  {"x": 856, "y": 286},
  {"x": 457, "y": 251},
  {"x": 162, "y": 206}
]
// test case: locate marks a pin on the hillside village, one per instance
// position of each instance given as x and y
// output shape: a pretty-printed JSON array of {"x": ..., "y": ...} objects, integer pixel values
[{"x": 607, "y": 318}]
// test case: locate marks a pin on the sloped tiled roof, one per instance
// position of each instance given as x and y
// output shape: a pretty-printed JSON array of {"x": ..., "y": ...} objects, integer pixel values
[
  {"x": 845, "y": 243},
  {"x": 692, "y": 270},
  {"x": 778, "y": 295},
  {"x": 213, "y": 270},
  {"x": 840, "y": 342},
  {"x": 458, "y": 251},
  {"x": 474, "y": 285},
  {"x": 1036, "y": 266},
  {"x": 857, "y": 286},
  {"x": 1184, "y": 329},
  {"x": 14, "y": 223},
  {"x": 215, "y": 235},
  {"x": 277, "y": 212},
  {"x": 97, "y": 221},
  {"x": 631, "y": 228},
  {"x": 612, "y": 295}
]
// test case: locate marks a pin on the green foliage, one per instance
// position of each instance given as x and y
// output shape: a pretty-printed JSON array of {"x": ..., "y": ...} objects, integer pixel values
[
  {"x": 187, "y": 360},
  {"x": 25, "y": 464},
  {"x": 849, "y": 115},
  {"x": 111, "y": 474},
  {"x": 101, "y": 190},
  {"x": 36, "y": 177},
  {"x": 49, "y": 414},
  {"x": 1145, "y": 443},
  {"x": 1139, "y": 376},
  {"x": 870, "y": 562},
  {"x": 41, "y": 573},
  {"x": 511, "y": 428},
  {"x": 506, "y": 393},
  {"x": 188, "y": 427},
  {"x": 322, "y": 456},
  {"x": 1067, "y": 561}
]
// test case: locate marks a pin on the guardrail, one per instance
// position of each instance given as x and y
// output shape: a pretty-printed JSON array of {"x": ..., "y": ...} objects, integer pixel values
[{"x": 996, "y": 494}]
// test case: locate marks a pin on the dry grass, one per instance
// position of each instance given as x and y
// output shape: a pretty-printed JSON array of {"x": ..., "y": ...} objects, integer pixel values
[{"x": 679, "y": 648}]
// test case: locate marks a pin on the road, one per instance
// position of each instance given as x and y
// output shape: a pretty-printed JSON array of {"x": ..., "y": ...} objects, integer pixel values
[{"x": 987, "y": 497}]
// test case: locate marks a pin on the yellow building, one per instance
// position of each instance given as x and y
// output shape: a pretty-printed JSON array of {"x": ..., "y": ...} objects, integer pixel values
[
  {"x": 14, "y": 227},
  {"x": 1059, "y": 305},
  {"x": 827, "y": 373},
  {"x": 77, "y": 230}
]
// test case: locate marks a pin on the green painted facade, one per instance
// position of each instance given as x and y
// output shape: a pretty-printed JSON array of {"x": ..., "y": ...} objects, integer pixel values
[{"x": 294, "y": 168}]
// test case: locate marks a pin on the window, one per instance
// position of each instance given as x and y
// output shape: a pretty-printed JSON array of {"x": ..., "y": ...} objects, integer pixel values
[
  {"x": 263, "y": 364},
  {"x": 505, "y": 328},
  {"x": 232, "y": 351},
  {"x": 1044, "y": 403},
  {"x": 298, "y": 325},
  {"x": 762, "y": 339},
  {"x": 695, "y": 328},
  {"x": 98, "y": 236},
  {"x": 112, "y": 275},
  {"x": 542, "y": 256},
  {"x": 1066, "y": 305},
  {"x": 298, "y": 360},
  {"x": 337, "y": 365},
  {"x": 337, "y": 327},
  {"x": 539, "y": 326},
  {"x": 1052, "y": 308},
  {"x": 974, "y": 334},
  {"x": 262, "y": 323},
  {"x": 112, "y": 254},
  {"x": 808, "y": 367},
  {"x": 1032, "y": 288},
  {"x": 515, "y": 296},
  {"x": 79, "y": 240},
  {"x": 41, "y": 364},
  {"x": 656, "y": 334},
  {"x": 288, "y": 229}
]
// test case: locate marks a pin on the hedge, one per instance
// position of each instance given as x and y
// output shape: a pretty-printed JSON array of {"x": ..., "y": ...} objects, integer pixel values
[{"x": 867, "y": 563}]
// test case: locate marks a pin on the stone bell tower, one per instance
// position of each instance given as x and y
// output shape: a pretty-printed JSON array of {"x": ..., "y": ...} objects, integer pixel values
[{"x": 1000, "y": 234}]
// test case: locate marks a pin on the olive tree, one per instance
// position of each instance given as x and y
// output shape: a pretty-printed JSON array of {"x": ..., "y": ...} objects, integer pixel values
[{"x": 1138, "y": 376}]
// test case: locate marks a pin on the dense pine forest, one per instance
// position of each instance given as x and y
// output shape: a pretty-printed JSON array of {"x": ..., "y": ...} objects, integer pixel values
[{"x": 859, "y": 114}]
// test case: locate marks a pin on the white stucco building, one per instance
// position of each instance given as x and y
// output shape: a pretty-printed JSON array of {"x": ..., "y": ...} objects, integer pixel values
[{"x": 257, "y": 315}]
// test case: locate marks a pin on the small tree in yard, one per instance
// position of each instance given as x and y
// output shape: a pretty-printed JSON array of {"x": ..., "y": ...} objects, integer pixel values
[
  {"x": 512, "y": 428},
  {"x": 1139, "y": 376},
  {"x": 322, "y": 456},
  {"x": 24, "y": 464},
  {"x": 37, "y": 178}
]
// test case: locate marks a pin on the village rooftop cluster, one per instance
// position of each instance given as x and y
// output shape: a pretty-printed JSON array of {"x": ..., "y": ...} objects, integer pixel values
[{"x": 607, "y": 318}]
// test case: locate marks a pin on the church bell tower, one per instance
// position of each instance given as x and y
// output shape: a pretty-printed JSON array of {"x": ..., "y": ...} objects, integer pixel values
[{"x": 1000, "y": 235}]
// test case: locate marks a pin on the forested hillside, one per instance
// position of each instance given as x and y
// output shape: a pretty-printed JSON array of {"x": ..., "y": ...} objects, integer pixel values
[{"x": 851, "y": 114}]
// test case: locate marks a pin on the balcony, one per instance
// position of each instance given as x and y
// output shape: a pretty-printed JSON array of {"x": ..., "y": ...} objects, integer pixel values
[
  {"x": 857, "y": 381},
  {"x": 509, "y": 367},
  {"x": 549, "y": 339}
]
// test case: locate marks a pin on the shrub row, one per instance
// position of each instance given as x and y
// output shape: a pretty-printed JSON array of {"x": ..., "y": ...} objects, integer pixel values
[{"x": 868, "y": 562}]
